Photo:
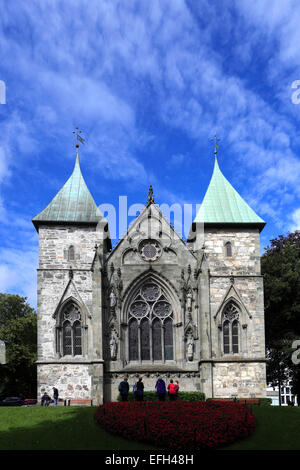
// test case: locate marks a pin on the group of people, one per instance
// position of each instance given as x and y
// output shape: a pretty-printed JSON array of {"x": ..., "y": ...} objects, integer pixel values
[
  {"x": 46, "y": 399},
  {"x": 160, "y": 386}
]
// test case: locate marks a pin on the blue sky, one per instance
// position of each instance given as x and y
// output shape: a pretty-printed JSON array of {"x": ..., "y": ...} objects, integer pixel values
[{"x": 149, "y": 83}]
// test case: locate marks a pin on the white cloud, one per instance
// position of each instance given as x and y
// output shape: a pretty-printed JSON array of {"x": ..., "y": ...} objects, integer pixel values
[
  {"x": 18, "y": 272},
  {"x": 295, "y": 225}
]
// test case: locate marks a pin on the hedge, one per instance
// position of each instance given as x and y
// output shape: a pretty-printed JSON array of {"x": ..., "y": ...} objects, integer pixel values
[
  {"x": 184, "y": 396},
  {"x": 265, "y": 401},
  {"x": 261, "y": 401}
]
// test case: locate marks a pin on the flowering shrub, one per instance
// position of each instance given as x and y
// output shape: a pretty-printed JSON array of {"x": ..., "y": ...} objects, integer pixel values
[{"x": 186, "y": 425}]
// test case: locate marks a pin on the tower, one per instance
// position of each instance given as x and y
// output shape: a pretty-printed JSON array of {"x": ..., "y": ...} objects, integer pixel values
[
  {"x": 73, "y": 239},
  {"x": 226, "y": 239}
]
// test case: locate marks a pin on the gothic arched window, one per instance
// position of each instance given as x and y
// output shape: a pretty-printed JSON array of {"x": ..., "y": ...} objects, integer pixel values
[
  {"x": 230, "y": 327},
  {"x": 71, "y": 327},
  {"x": 150, "y": 322},
  {"x": 228, "y": 249}
]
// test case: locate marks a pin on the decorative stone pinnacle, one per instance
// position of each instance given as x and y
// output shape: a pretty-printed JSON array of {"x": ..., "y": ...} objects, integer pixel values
[{"x": 150, "y": 196}]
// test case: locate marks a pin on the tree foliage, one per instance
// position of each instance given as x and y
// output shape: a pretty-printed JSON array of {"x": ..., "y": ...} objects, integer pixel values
[
  {"x": 281, "y": 270},
  {"x": 18, "y": 329}
]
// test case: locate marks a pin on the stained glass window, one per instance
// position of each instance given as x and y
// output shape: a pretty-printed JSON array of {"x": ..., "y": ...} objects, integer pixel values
[
  {"x": 67, "y": 338},
  {"x": 71, "y": 331},
  {"x": 77, "y": 339},
  {"x": 235, "y": 337},
  {"x": 156, "y": 330},
  {"x": 150, "y": 313},
  {"x": 133, "y": 341},
  {"x": 231, "y": 329},
  {"x": 145, "y": 340},
  {"x": 168, "y": 337},
  {"x": 226, "y": 337}
]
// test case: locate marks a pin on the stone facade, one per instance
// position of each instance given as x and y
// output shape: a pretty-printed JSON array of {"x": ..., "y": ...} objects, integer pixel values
[{"x": 154, "y": 305}]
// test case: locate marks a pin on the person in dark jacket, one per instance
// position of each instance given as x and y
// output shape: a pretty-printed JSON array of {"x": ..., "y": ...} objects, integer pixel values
[
  {"x": 139, "y": 390},
  {"x": 55, "y": 396},
  {"x": 45, "y": 400},
  {"x": 160, "y": 389},
  {"x": 124, "y": 389}
]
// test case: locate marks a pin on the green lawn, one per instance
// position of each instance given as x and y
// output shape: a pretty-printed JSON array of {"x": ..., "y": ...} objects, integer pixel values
[
  {"x": 60, "y": 428},
  {"x": 67, "y": 428},
  {"x": 277, "y": 429}
]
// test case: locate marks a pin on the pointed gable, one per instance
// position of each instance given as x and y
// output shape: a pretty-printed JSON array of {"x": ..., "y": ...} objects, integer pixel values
[
  {"x": 73, "y": 203},
  {"x": 222, "y": 204}
]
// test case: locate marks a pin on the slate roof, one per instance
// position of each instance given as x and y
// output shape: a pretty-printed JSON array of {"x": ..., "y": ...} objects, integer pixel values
[
  {"x": 222, "y": 204},
  {"x": 73, "y": 202}
]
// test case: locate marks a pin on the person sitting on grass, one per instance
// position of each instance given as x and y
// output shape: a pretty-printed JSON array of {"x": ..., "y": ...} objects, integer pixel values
[{"x": 45, "y": 400}]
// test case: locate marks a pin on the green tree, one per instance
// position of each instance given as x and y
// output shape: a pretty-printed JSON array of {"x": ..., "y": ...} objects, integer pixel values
[
  {"x": 18, "y": 329},
  {"x": 281, "y": 270}
]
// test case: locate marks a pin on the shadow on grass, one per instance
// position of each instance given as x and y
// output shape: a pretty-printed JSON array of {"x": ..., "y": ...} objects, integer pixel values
[{"x": 60, "y": 428}]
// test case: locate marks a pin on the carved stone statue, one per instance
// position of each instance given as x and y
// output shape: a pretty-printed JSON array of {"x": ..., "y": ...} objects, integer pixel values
[
  {"x": 112, "y": 299},
  {"x": 190, "y": 347},
  {"x": 189, "y": 298},
  {"x": 113, "y": 346}
]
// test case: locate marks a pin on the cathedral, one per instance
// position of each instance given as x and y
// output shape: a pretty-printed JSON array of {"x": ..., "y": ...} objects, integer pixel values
[{"x": 154, "y": 305}]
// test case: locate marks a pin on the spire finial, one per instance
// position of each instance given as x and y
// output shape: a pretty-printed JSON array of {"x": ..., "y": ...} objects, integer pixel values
[
  {"x": 215, "y": 140},
  {"x": 150, "y": 195},
  {"x": 78, "y": 137}
]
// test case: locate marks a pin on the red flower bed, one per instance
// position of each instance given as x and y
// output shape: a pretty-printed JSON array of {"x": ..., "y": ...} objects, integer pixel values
[{"x": 178, "y": 425}]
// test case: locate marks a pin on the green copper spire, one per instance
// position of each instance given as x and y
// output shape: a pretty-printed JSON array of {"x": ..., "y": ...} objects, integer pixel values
[
  {"x": 73, "y": 203},
  {"x": 223, "y": 205}
]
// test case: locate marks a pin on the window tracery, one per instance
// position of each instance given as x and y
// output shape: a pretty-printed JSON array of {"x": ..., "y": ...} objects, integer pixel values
[
  {"x": 70, "y": 339},
  {"x": 150, "y": 321},
  {"x": 230, "y": 327}
]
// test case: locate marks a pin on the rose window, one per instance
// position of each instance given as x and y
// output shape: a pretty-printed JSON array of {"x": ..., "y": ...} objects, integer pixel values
[
  {"x": 162, "y": 309},
  {"x": 150, "y": 250},
  {"x": 139, "y": 309},
  {"x": 150, "y": 292}
]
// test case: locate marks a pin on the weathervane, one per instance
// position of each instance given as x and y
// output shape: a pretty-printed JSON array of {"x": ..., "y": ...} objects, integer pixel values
[
  {"x": 78, "y": 137},
  {"x": 215, "y": 140}
]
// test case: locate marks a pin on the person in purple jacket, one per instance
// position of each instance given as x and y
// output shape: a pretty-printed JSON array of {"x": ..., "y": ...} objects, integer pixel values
[{"x": 160, "y": 389}]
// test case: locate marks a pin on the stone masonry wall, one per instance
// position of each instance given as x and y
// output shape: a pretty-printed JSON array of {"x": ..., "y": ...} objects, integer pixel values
[
  {"x": 237, "y": 278},
  {"x": 71, "y": 380}
]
